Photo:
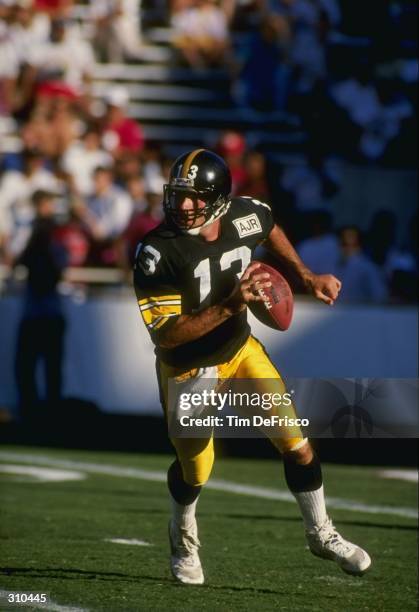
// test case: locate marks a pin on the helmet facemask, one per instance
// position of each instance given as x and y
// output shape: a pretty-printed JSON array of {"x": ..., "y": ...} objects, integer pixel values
[{"x": 186, "y": 220}]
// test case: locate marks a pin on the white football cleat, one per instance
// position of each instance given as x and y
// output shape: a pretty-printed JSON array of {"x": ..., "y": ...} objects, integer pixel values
[
  {"x": 327, "y": 543},
  {"x": 184, "y": 560}
]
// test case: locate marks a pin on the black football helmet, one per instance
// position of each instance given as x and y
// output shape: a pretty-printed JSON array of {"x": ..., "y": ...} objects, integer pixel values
[{"x": 198, "y": 175}]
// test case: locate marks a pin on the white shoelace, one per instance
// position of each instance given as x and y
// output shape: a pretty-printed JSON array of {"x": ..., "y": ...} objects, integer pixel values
[{"x": 329, "y": 536}]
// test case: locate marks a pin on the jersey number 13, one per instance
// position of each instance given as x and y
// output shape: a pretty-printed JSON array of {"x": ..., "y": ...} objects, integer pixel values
[{"x": 202, "y": 271}]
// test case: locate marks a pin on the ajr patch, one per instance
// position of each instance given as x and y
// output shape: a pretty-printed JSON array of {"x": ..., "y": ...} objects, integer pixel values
[{"x": 246, "y": 226}]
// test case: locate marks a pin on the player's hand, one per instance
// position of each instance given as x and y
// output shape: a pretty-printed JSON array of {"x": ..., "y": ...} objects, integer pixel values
[
  {"x": 325, "y": 287},
  {"x": 248, "y": 288}
]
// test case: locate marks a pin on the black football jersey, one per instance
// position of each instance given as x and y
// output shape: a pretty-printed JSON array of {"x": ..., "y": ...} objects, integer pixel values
[{"x": 177, "y": 273}]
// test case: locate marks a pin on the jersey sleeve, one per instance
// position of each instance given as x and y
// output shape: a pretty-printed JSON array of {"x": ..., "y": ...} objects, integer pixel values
[{"x": 158, "y": 294}]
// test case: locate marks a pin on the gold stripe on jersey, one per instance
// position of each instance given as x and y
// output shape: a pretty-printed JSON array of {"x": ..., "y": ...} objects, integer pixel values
[
  {"x": 160, "y": 298},
  {"x": 156, "y": 311},
  {"x": 188, "y": 162},
  {"x": 160, "y": 322}
]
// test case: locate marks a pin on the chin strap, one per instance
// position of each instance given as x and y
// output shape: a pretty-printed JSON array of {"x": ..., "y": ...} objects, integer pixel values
[{"x": 194, "y": 231}]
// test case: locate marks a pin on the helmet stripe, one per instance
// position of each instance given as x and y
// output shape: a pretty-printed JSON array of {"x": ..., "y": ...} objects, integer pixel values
[{"x": 188, "y": 162}]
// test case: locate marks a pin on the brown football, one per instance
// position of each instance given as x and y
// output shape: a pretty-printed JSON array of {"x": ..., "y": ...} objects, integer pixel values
[{"x": 277, "y": 311}]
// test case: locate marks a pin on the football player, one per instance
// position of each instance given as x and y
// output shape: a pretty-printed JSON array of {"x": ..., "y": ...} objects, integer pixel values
[{"x": 194, "y": 278}]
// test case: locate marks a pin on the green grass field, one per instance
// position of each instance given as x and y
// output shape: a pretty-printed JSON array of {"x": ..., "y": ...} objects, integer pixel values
[{"x": 54, "y": 538}]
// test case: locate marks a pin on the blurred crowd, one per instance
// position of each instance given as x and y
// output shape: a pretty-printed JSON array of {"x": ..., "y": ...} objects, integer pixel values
[
  {"x": 87, "y": 171},
  {"x": 324, "y": 60}
]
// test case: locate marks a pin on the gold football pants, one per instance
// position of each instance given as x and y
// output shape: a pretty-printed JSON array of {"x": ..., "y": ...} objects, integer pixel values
[{"x": 196, "y": 455}]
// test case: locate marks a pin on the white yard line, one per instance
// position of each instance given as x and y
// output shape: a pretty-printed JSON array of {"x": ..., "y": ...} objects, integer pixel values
[
  {"x": 132, "y": 542},
  {"x": 50, "y": 606},
  {"x": 216, "y": 485},
  {"x": 42, "y": 474},
  {"x": 408, "y": 475},
  {"x": 332, "y": 502}
]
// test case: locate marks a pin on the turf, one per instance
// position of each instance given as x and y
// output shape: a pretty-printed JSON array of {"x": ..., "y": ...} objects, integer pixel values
[{"x": 53, "y": 540}]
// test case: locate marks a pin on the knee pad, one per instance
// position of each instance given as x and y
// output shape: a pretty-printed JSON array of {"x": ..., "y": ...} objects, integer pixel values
[
  {"x": 301, "y": 478},
  {"x": 181, "y": 491}
]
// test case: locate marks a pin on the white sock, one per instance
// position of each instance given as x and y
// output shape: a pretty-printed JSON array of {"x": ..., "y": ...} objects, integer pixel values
[
  {"x": 183, "y": 515},
  {"x": 312, "y": 507}
]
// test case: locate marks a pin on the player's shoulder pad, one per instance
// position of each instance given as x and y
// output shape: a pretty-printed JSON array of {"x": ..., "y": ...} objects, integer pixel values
[
  {"x": 250, "y": 216},
  {"x": 248, "y": 203},
  {"x": 162, "y": 233}
]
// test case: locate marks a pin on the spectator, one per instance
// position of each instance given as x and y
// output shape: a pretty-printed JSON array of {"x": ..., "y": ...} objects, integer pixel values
[
  {"x": 52, "y": 126},
  {"x": 128, "y": 166},
  {"x": 137, "y": 192},
  {"x": 365, "y": 128},
  {"x": 41, "y": 331},
  {"x": 232, "y": 146},
  {"x": 256, "y": 183},
  {"x": 320, "y": 251},
  {"x": 82, "y": 158},
  {"x": 9, "y": 67},
  {"x": 142, "y": 222},
  {"x": 362, "y": 280},
  {"x": 117, "y": 29},
  {"x": 395, "y": 111},
  {"x": 263, "y": 79},
  {"x": 108, "y": 208},
  {"x": 54, "y": 8},
  {"x": 154, "y": 183},
  {"x": 29, "y": 29},
  {"x": 201, "y": 32},
  {"x": 120, "y": 134},
  {"x": 65, "y": 59},
  {"x": 153, "y": 168},
  {"x": 312, "y": 183},
  {"x": 16, "y": 208},
  {"x": 307, "y": 52},
  {"x": 74, "y": 238}
]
